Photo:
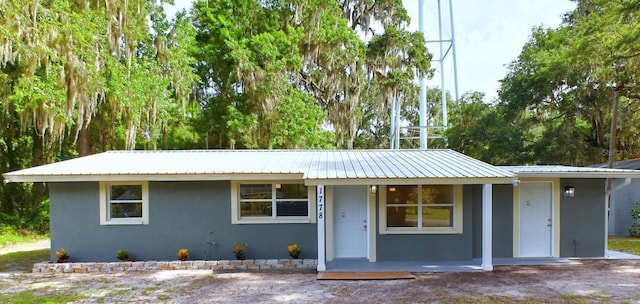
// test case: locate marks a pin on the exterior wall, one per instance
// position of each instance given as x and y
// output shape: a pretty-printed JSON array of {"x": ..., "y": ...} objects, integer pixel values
[
  {"x": 502, "y": 219},
  {"x": 622, "y": 201},
  {"x": 582, "y": 219},
  {"x": 181, "y": 215},
  {"x": 430, "y": 247}
]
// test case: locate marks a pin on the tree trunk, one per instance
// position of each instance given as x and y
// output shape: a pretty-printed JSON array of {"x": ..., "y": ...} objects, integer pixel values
[{"x": 83, "y": 146}]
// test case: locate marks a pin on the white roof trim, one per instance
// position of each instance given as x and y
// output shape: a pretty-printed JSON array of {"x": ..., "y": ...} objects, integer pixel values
[{"x": 555, "y": 171}]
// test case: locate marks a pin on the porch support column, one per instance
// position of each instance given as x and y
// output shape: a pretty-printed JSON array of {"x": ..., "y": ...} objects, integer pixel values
[
  {"x": 321, "y": 228},
  {"x": 487, "y": 223}
]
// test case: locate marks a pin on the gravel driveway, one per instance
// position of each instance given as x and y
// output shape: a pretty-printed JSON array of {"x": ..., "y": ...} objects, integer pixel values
[{"x": 610, "y": 281}]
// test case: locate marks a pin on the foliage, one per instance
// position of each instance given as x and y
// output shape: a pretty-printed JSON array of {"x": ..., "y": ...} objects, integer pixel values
[
  {"x": 30, "y": 296},
  {"x": 122, "y": 255},
  {"x": 62, "y": 256},
  {"x": 625, "y": 244},
  {"x": 23, "y": 261},
  {"x": 634, "y": 229},
  {"x": 314, "y": 59},
  {"x": 183, "y": 254},
  {"x": 10, "y": 235},
  {"x": 239, "y": 251},
  {"x": 294, "y": 251},
  {"x": 561, "y": 87}
]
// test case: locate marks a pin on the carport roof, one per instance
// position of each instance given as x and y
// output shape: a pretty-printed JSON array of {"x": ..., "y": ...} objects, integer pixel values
[
  {"x": 570, "y": 172},
  {"x": 315, "y": 167}
]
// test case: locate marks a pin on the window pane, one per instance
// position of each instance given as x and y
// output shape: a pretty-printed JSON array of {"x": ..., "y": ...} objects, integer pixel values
[
  {"x": 126, "y": 192},
  {"x": 440, "y": 194},
  {"x": 255, "y": 191},
  {"x": 297, "y": 208},
  {"x": 402, "y": 217},
  {"x": 402, "y": 195},
  {"x": 287, "y": 191},
  {"x": 249, "y": 209},
  {"x": 437, "y": 217},
  {"x": 126, "y": 210}
]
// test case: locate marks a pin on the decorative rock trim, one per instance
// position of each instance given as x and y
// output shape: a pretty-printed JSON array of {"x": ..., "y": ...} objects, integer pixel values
[{"x": 218, "y": 265}]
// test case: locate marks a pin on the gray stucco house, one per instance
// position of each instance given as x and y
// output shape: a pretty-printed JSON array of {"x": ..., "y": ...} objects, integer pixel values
[
  {"x": 622, "y": 199},
  {"x": 378, "y": 205}
]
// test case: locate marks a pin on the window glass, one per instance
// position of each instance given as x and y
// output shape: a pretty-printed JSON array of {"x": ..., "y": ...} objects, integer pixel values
[
  {"x": 125, "y": 210},
  {"x": 255, "y": 191},
  {"x": 402, "y": 195},
  {"x": 125, "y": 201},
  {"x": 256, "y": 200},
  {"x": 253, "y": 209},
  {"x": 437, "y": 217},
  {"x": 437, "y": 194},
  {"x": 402, "y": 216},
  {"x": 126, "y": 192},
  {"x": 416, "y": 207}
]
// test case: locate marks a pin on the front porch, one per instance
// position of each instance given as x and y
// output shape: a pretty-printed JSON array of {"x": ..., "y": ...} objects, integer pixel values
[{"x": 363, "y": 265}]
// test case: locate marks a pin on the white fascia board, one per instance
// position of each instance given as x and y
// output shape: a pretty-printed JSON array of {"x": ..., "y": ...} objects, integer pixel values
[
  {"x": 147, "y": 177},
  {"x": 579, "y": 174},
  {"x": 411, "y": 181}
]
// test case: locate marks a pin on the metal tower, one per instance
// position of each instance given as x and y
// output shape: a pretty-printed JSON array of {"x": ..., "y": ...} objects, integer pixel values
[{"x": 441, "y": 48}]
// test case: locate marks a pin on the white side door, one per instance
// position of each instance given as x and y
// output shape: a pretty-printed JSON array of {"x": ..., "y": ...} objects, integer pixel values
[
  {"x": 350, "y": 218},
  {"x": 535, "y": 219}
]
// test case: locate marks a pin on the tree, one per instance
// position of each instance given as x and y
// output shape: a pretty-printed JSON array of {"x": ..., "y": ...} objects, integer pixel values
[{"x": 565, "y": 79}]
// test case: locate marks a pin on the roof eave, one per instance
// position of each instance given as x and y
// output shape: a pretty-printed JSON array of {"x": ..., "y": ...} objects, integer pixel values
[
  {"x": 412, "y": 181},
  {"x": 577, "y": 175},
  {"x": 149, "y": 177}
]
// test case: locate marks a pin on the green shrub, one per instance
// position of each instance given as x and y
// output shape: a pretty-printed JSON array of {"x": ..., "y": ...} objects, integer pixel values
[{"x": 634, "y": 229}]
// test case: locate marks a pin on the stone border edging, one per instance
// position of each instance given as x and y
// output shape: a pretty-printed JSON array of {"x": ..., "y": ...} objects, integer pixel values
[{"x": 113, "y": 267}]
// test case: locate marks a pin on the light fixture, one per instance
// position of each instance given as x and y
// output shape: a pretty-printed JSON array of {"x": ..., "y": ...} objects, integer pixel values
[
  {"x": 278, "y": 186},
  {"x": 373, "y": 189},
  {"x": 569, "y": 191}
]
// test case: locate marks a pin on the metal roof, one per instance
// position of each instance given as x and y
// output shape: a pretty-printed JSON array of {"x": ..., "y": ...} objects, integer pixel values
[
  {"x": 315, "y": 167},
  {"x": 570, "y": 172},
  {"x": 632, "y": 164}
]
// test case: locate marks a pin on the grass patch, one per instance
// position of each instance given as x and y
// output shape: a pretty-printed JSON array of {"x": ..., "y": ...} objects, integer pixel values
[
  {"x": 10, "y": 235},
  {"x": 22, "y": 261},
  {"x": 29, "y": 296},
  {"x": 625, "y": 244}
]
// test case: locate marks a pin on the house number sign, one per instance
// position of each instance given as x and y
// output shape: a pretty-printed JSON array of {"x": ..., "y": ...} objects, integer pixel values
[{"x": 320, "y": 202}]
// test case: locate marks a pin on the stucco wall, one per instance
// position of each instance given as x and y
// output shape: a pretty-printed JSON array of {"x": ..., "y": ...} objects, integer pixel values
[
  {"x": 620, "y": 218},
  {"x": 502, "y": 218},
  {"x": 430, "y": 247},
  {"x": 582, "y": 219},
  {"x": 181, "y": 214}
]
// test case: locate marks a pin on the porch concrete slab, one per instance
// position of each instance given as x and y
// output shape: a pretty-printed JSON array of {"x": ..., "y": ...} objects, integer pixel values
[
  {"x": 612, "y": 254},
  {"x": 363, "y": 265}
]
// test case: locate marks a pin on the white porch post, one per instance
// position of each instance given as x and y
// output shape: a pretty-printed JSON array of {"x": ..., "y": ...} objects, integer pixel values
[
  {"x": 487, "y": 223},
  {"x": 321, "y": 228}
]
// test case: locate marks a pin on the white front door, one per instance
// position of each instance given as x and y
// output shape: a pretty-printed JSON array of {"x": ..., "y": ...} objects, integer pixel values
[
  {"x": 350, "y": 218},
  {"x": 535, "y": 219}
]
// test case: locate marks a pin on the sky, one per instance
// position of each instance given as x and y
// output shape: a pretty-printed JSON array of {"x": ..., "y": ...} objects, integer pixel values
[{"x": 489, "y": 35}]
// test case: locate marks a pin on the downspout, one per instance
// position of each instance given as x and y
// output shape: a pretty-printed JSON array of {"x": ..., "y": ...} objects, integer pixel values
[{"x": 607, "y": 207}]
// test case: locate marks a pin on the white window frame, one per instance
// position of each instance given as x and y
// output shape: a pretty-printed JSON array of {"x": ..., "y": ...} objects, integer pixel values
[
  {"x": 273, "y": 219},
  {"x": 105, "y": 217},
  {"x": 457, "y": 215}
]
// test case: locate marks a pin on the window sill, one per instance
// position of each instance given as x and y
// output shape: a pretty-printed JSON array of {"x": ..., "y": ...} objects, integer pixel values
[
  {"x": 270, "y": 221},
  {"x": 423, "y": 231},
  {"x": 123, "y": 223}
]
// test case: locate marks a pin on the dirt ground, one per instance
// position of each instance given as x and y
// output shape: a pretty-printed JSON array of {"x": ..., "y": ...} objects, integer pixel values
[{"x": 590, "y": 281}]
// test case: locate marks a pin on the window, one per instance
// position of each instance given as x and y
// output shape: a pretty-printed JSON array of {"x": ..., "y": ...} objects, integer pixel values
[
  {"x": 123, "y": 203},
  {"x": 270, "y": 202},
  {"x": 421, "y": 209}
]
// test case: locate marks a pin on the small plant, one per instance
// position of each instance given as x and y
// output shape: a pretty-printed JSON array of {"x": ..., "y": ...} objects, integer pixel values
[
  {"x": 62, "y": 256},
  {"x": 122, "y": 255},
  {"x": 634, "y": 229},
  {"x": 294, "y": 251},
  {"x": 238, "y": 250},
  {"x": 183, "y": 254}
]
